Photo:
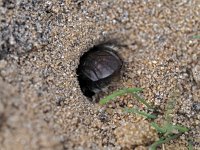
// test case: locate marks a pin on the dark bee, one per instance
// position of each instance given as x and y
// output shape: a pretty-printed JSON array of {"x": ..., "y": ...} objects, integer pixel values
[{"x": 97, "y": 68}]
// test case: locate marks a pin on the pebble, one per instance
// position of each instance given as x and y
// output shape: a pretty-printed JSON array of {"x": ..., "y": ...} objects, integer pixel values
[
  {"x": 3, "y": 63},
  {"x": 196, "y": 73},
  {"x": 196, "y": 106}
]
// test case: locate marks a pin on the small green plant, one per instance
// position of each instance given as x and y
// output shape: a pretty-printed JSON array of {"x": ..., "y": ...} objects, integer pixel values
[
  {"x": 168, "y": 131},
  {"x": 137, "y": 111},
  {"x": 119, "y": 93},
  {"x": 163, "y": 141},
  {"x": 134, "y": 92},
  {"x": 190, "y": 147},
  {"x": 196, "y": 36}
]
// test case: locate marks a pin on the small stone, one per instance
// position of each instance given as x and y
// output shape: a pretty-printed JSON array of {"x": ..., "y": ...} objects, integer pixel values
[
  {"x": 103, "y": 117},
  {"x": 196, "y": 73},
  {"x": 3, "y": 63},
  {"x": 196, "y": 106},
  {"x": 130, "y": 105},
  {"x": 154, "y": 62}
]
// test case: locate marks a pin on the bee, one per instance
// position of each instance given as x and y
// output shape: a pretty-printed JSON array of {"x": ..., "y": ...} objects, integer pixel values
[{"x": 97, "y": 68}]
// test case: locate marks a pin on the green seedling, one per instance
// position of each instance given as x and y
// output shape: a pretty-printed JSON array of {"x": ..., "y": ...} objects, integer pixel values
[
  {"x": 196, "y": 36},
  {"x": 119, "y": 93},
  {"x": 137, "y": 111},
  {"x": 142, "y": 101},
  {"x": 168, "y": 131},
  {"x": 163, "y": 141},
  {"x": 133, "y": 91},
  {"x": 190, "y": 147}
]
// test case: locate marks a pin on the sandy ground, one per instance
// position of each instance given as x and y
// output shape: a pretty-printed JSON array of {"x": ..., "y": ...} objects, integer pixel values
[{"x": 41, "y": 105}]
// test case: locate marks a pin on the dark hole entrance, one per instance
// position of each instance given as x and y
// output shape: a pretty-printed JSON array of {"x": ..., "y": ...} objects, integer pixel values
[{"x": 97, "y": 68}]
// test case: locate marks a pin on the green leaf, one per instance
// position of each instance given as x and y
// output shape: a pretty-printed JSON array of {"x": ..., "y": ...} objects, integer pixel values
[
  {"x": 142, "y": 101},
  {"x": 158, "y": 129},
  {"x": 196, "y": 36},
  {"x": 119, "y": 93},
  {"x": 181, "y": 129},
  {"x": 162, "y": 141},
  {"x": 137, "y": 111},
  {"x": 190, "y": 147}
]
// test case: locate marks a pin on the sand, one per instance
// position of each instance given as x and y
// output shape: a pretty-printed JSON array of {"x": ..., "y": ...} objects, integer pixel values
[{"x": 41, "y": 104}]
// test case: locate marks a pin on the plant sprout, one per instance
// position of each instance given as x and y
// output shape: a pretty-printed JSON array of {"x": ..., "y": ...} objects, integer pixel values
[{"x": 168, "y": 131}]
